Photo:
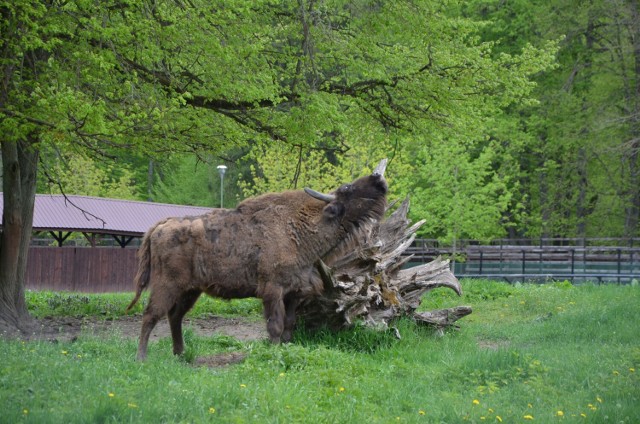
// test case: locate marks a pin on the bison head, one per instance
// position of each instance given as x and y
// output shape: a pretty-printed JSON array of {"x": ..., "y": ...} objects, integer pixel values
[{"x": 355, "y": 203}]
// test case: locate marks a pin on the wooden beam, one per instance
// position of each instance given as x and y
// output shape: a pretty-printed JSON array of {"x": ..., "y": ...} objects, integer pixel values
[
  {"x": 91, "y": 238},
  {"x": 59, "y": 237},
  {"x": 123, "y": 241}
]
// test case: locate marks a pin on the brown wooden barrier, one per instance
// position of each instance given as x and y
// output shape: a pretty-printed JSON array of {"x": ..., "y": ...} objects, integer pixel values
[
  {"x": 108, "y": 269},
  {"x": 81, "y": 269}
]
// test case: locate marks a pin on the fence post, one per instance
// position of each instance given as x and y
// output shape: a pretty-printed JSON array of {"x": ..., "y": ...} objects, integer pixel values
[
  {"x": 619, "y": 263},
  {"x": 573, "y": 263},
  {"x": 523, "y": 264}
]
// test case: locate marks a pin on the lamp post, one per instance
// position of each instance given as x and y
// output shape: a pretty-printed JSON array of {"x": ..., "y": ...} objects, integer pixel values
[{"x": 222, "y": 169}]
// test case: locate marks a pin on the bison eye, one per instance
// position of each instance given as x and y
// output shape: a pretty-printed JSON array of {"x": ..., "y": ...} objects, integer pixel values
[{"x": 346, "y": 189}]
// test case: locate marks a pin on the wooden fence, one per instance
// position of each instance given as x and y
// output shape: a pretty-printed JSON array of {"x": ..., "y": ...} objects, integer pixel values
[
  {"x": 109, "y": 269},
  {"x": 81, "y": 269}
]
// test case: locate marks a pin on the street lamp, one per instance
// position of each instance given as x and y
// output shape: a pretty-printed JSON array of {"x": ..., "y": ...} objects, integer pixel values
[{"x": 222, "y": 169}]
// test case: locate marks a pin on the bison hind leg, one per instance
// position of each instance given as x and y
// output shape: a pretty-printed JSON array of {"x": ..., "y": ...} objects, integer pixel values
[
  {"x": 185, "y": 302},
  {"x": 160, "y": 303}
]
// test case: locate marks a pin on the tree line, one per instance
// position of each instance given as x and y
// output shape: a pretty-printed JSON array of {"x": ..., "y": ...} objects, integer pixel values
[{"x": 502, "y": 119}]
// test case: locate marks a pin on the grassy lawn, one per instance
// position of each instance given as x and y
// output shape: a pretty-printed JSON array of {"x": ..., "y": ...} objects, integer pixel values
[{"x": 551, "y": 353}]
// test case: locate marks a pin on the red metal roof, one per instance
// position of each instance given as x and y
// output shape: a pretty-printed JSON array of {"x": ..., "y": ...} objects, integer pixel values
[{"x": 101, "y": 215}]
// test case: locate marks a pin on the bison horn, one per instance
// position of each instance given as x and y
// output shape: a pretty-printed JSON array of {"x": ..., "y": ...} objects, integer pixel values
[
  {"x": 380, "y": 168},
  {"x": 320, "y": 196}
]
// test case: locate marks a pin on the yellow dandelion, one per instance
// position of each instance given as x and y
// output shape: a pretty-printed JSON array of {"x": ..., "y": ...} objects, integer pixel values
[
  {"x": 598, "y": 399},
  {"x": 476, "y": 402},
  {"x": 341, "y": 389},
  {"x": 498, "y": 418},
  {"x": 632, "y": 370},
  {"x": 132, "y": 405},
  {"x": 212, "y": 410},
  {"x": 490, "y": 410},
  {"x": 559, "y": 414},
  {"x": 243, "y": 386},
  {"x": 528, "y": 417},
  {"x": 281, "y": 374},
  {"x": 421, "y": 412},
  {"x": 78, "y": 356},
  {"x": 593, "y": 408},
  {"x": 583, "y": 415},
  {"x": 615, "y": 372},
  {"x": 25, "y": 411},
  {"x": 111, "y": 395},
  {"x": 64, "y": 352},
  {"x": 529, "y": 405},
  {"x": 483, "y": 418}
]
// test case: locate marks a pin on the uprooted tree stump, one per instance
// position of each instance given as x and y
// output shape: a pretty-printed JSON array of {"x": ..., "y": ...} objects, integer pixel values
[{"x": 368, "y": 284}]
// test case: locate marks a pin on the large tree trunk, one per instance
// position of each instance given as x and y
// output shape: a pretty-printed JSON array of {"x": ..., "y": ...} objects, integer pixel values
[
  {"x": 370, "y": 283},
  {"x": 20, "y": 163},
  {"x": 632, "y": 97}
]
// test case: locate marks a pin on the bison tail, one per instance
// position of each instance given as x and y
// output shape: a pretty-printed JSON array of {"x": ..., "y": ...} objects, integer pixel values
[{"x": 141, "y": 280}]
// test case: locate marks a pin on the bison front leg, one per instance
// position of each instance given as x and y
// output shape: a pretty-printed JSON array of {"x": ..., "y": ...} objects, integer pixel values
[
  {"x": 290, "y": 305},
  {"x": 274, "y": 312},
  {"x": 176, "y": 314}
]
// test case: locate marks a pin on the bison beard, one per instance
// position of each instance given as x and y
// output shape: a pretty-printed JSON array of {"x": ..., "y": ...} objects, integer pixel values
[{"x": 267, "y": 247}]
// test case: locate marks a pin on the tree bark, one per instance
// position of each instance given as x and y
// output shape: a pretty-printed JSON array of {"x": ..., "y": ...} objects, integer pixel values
[
  {"x": 632, "y": 97},
  {"x": 370, "y": 283},
  {"x": 20, "y": 163}
]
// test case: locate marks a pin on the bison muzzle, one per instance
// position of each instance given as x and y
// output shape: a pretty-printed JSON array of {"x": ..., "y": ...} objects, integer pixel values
[{"x": 267, "y": 247}]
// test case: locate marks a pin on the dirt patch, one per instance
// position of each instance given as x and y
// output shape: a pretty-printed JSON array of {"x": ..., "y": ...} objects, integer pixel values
[
  {"x": 220, "y": 360},
  {"x": 493, "y": 344},
  {"x": 69, "y": 328}
]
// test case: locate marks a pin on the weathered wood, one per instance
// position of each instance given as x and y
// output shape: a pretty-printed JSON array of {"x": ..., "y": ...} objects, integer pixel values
[
  {"x": 81, "y": 269},
  {"x": 368, "y": 282},
  {"x": 442, "y": 318}
]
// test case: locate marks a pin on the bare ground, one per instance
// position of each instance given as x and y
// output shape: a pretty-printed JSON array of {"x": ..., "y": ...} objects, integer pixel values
[
  {"x": 56, "y": 329},
  {"x": 69, "y": 328}
]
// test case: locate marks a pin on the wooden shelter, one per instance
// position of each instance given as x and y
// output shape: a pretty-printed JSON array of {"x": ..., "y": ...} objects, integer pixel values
[{"x": 91, "y": 268}]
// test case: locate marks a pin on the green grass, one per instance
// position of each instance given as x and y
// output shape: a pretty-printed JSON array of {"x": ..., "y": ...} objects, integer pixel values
[
  {"x": 111, "y": 305},
  {"x": 526, "y": 352}
]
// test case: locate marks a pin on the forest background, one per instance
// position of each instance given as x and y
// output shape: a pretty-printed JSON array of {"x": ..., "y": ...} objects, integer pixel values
[{"x": 500, "y": 118}]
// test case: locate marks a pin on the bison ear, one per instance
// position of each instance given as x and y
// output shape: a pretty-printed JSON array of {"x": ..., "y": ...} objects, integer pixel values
[{"x": 333, "y": 210}]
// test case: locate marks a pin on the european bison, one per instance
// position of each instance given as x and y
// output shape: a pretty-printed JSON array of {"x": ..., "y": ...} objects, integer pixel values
[{"x": 267, "y": 247}]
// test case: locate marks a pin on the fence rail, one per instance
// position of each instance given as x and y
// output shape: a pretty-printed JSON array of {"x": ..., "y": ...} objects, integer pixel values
[{"x": 537, "y": 262}]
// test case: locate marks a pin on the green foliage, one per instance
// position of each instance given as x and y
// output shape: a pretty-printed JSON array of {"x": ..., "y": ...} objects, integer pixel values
[
  {"x": 430, "y": 97},
  {"x": 576, "y": 168},
  {"x": 499, "y": 118},
  {"x": 544, "y": 352},
  {"x": 189, "y": 182},
  {"x": 80, "y": 175}
]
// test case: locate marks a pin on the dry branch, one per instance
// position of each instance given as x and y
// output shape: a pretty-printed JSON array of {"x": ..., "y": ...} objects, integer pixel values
[{"x": 371, "y": 285}]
